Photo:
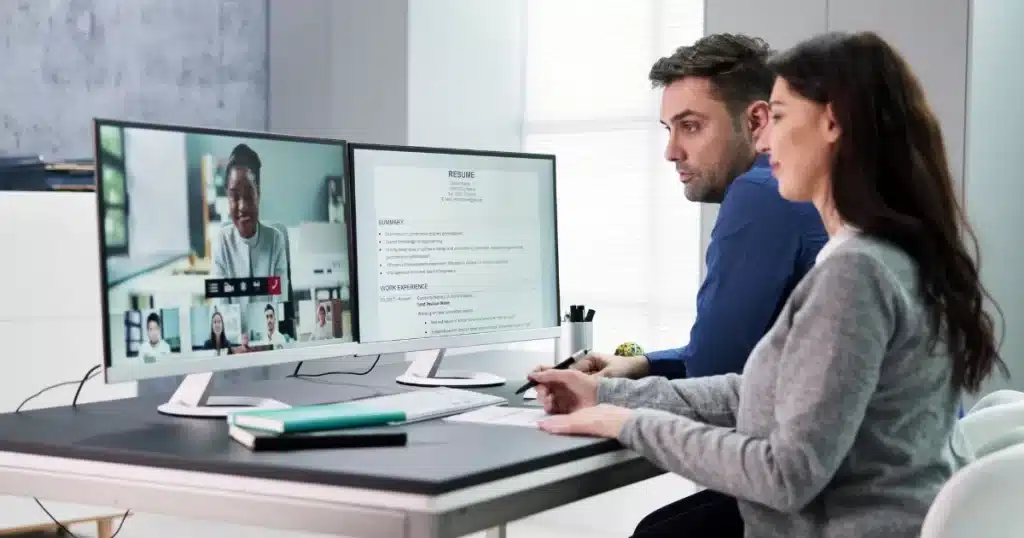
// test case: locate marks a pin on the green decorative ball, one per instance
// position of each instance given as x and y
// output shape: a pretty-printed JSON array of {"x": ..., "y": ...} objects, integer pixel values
[{"x": 629, "y": 349}]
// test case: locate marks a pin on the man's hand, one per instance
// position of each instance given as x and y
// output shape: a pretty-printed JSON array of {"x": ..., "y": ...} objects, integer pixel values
[
  {"x": 565, "y": 391},
  {"x": 608, "y": 365}
]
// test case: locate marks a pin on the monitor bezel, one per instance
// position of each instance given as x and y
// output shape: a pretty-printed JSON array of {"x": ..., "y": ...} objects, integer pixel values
[
  {"x": 464, "y": 340},
  {"x": 117, "y": 374}
]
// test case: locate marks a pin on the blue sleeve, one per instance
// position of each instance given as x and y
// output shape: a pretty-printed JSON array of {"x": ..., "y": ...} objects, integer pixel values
[{"x": 751, "y": 264}]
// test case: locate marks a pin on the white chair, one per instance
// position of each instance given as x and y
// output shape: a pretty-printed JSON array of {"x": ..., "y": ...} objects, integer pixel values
[
  {"x": 998, "y": 397},
  {"x": 993, "y": 424},
  {"x": 983, "y": 500}
]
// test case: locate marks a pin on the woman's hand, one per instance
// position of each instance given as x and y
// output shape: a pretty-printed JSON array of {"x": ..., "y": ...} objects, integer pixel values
[
  {"x": 601, "y": 421},
  {"x": 565, "y": 391}
]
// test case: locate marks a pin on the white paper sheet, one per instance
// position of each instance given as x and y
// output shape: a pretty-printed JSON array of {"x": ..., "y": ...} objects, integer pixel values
[
  {"x": 530, "y": 394},
  {"x": 503, "y": 415}
]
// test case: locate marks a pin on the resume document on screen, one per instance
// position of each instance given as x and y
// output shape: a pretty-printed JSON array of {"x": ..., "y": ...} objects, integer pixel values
[{"x": 456, "y": 251}]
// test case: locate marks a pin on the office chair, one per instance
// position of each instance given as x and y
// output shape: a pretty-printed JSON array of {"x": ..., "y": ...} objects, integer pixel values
[
  {"x": 999, "y": 397},
  {"x": 994, "y": 425},
  {"x": 982, "y": 500}
]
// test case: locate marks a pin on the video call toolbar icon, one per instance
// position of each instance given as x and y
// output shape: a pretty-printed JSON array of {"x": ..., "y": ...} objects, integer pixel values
[{"x": 219, "y": 288}]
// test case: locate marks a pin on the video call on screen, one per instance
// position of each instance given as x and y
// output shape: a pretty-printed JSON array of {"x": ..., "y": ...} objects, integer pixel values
[{"x": 218, "y": 244}]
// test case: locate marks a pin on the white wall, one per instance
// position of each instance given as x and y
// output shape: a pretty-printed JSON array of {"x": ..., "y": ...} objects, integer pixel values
[
  {"x": 992, "y": 179},
  {"x": 50, "y": 316},
  {"x": 465, "y": 73},
  {"x": 421, "y": 72},
  {"x": 338, "y": 68}
]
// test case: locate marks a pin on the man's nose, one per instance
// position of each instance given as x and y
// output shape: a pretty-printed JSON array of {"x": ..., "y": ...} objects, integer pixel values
[{"x": 674, "y": 152}]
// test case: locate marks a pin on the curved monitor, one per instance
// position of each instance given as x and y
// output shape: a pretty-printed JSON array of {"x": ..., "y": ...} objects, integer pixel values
[
  {"x": 454, "y": 248},
  {"x": 221, "y": 249}
]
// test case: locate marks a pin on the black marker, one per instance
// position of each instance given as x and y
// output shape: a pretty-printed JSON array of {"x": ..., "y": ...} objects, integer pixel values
[{"x": 576, "y": 313}]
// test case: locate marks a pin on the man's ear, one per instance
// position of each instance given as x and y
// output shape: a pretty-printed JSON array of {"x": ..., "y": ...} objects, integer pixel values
[{"x": 757, "y": 116}]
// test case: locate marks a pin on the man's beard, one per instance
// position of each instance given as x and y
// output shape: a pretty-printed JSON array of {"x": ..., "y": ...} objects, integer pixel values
[{"x": 709, "y": 185}]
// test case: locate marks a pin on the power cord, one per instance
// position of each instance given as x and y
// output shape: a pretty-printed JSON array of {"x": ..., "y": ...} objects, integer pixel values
[
  {"x": 64, "y": 530},
  {"x": 93, "y": 372},
  {"x": 321, "y": 374},
  {"x": 74, "y": 402}
]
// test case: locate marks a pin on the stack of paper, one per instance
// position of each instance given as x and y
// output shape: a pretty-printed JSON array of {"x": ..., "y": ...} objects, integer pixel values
[{"x": 504, "y": 416}]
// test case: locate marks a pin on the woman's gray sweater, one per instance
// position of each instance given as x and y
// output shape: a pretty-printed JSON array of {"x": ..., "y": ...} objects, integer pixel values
[{"x": 843, "y": 423}]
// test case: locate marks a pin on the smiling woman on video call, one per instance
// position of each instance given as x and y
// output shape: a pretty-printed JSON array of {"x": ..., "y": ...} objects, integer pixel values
[{"x": 843, "y": 421}]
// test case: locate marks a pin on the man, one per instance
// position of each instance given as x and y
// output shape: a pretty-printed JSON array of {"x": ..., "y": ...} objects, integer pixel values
[
  {"x": 714, "y": 106},
  {"x": 154, "y": 346},
  {"x": 247, "y": 247},
  {"x": 273, "y": 335}
]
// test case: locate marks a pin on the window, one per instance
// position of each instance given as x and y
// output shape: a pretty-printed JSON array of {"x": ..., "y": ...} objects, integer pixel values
[
  {"x": 629, "y": 241},
  {"x": 114, "y": 186}
]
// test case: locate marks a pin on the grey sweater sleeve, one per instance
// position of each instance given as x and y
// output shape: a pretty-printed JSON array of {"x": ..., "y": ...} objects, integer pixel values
[
  {"x": 710, "y": 399},
  {"x": 833, "y": 339}
]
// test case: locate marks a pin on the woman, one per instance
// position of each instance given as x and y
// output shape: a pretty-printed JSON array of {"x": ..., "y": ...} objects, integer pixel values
[
  {"x": 322, "y": 331},
  {"x": 843, "y": 422},
  {"x": 218, "y": 341}
]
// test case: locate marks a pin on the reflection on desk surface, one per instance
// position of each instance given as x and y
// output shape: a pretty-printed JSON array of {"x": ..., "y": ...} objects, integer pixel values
[{"x": 124, "y": 268}]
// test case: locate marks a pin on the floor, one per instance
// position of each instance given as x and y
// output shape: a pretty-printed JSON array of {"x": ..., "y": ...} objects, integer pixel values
[{"x": 620, "y": 511}]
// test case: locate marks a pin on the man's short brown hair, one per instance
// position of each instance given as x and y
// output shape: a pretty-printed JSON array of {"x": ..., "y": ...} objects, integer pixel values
[{"x": 736, "y": 65}]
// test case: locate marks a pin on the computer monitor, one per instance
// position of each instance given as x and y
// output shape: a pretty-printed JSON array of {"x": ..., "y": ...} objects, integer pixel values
[
  {"x": 454, "y": 248},
  {"x": 220, "y": 250}
]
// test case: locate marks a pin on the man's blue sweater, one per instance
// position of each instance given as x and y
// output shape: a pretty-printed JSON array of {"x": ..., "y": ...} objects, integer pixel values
[{"x": 761, "y": 246}]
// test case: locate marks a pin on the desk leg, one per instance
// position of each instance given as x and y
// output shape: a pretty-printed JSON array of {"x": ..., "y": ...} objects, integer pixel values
[
  {"x": 104, "y": 528},
  {"x": 497, "y": 532}
]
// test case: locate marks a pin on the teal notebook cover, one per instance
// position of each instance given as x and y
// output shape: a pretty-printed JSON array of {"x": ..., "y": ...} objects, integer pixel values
[{"x": 316, "y": 417}]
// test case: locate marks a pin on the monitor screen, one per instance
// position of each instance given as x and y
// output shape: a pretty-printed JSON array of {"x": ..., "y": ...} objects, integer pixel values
[
  {"x": 453, "y": 243},
  {"x": 220, "y": 249}
]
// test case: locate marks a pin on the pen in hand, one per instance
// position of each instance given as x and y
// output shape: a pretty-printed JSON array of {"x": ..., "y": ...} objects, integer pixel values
[{"x": 564, "y": 365}]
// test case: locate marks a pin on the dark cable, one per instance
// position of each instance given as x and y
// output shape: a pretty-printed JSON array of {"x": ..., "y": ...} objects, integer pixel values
[
  {"x": 88, "y": 375},
  {"x": 321, "y": 374},
  {"x": 68, "y": 532},
  {"x": 74, "y": 403}
]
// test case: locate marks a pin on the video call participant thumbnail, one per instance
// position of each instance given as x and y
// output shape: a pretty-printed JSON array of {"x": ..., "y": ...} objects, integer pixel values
[
  {"x": 153, "y": 345},
  {"x": 327, "y": 324},
  {"x": 273, "y": 335},
  {"x": 152, "y": 334},
  {"x": 248, "y": 248},
  {"x": 216, "y": 329},
  {"x": 322, "y": 330},
  {"x": 266, "y": 327}
]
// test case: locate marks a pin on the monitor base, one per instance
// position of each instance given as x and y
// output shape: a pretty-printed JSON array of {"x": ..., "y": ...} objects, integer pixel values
[
  {"x": 192, "y": 399},
  {"x": 425, "y": 373},
  {"x": 453, "y": 379},
  {"x": 218, "y": 406}
]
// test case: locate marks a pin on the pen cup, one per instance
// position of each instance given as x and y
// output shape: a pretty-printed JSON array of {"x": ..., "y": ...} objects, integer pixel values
[{"x": 581, "y": 336}]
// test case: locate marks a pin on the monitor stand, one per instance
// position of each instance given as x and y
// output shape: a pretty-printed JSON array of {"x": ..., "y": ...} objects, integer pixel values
[
  {"x": 424, "y": 372},
  {"x": 192, "y": 399}
]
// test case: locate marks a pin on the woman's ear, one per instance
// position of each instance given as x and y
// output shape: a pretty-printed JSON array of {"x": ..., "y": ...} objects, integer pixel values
[{"x": 830, "y": 126}]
